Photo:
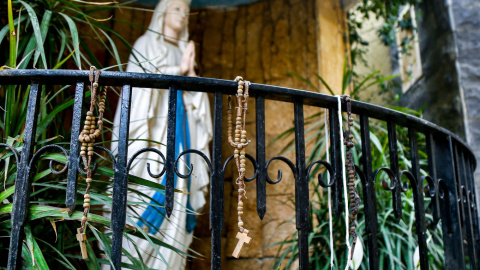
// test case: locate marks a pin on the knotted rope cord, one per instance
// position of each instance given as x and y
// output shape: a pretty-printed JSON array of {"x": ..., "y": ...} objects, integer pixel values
[
  {"x": 239, "y": 143},
  {"x": 342, "y": 149},
  {"x": 330, "y": 219}
]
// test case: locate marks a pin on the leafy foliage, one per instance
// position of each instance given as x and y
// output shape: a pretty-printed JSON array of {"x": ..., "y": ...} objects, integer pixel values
[
  {"x": 46, "y": 34},
  {"x": 389, "y": 12}
]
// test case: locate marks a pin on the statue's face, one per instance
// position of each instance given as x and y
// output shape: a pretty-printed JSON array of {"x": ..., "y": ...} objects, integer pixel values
[{"x": 176, "y": 16}]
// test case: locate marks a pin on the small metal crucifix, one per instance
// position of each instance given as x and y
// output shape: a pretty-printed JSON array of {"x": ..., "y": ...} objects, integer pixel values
[
  {"x": 242, "y": 239},
  {"x": 81, "y": 238}
]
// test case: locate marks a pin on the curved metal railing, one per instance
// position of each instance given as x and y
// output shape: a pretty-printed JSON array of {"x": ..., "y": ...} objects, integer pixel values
[{"x": 450, "y": 182}]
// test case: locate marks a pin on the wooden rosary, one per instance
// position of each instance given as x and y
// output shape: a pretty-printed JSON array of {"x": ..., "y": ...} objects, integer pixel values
[
  {"x": 87, "y": 138},
  {"x": 240, "y": 142},
  {"x": 352, "y": 190}
]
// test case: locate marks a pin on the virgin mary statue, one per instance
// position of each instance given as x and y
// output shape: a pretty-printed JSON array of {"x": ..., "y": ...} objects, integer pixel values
[{"x": 165, "y": 49}]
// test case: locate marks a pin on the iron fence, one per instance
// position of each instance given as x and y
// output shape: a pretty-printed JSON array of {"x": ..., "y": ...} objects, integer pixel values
[{"x": 451, "y": 164}]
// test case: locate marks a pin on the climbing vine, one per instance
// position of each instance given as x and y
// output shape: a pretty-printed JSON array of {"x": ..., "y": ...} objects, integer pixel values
[{"x": 389, "y": 11}]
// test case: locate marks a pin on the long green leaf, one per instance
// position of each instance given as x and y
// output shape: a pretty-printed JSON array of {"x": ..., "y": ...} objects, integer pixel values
[
  {"x": 42, "y": 211},
  {"x": 13, "y": 36},
  {"x": 44, "y": 25},
  {"x": 303, "y": 79},
  {"x": 359, "y": 86},
  {"x": 326, "y": 85},
  {"x": 6, "y": 28},
  {"x": 64, "y": 60},
  {"x": 35, "y": 249},
  {"x": 115, "y": 51},
  {"x": 75, "y": 39},
  {"x": 49, "y": 118},
  {"x": 27, "y": 256},
  {"x": 6, "y": 193},
  {"x": 36, "y": 31}
]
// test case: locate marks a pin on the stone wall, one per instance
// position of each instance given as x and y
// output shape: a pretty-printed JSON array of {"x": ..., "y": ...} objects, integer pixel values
[
  {"x": 466, "y": 25},
  {"x": 437, "y": 91}
]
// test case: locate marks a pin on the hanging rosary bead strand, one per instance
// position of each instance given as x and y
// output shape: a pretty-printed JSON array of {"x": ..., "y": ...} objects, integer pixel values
[
  {"x": 352, "y": 190},
  {"x": 87, "y": 137},
  {"x": 239, "y": 142}
]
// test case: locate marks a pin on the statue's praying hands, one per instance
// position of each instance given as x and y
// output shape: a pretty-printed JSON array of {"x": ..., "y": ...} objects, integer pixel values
[{"x": 187, "y": 64}]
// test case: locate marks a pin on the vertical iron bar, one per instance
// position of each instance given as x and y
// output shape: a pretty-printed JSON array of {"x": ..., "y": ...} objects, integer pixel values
[
  {"x": 472, "y": 205},
  {"x": 261, "y": 173},
  {"x": 336, "y": 153},
  {"x": 452, "y": 234},
  {"x": 71, "y": 198},
  {"x": 120, "y": 180},
  {"x": 170, "y": 162},
  {"x": 392, "y": 145},
  {"x": 216, "y": 184},
  {"x": 22, "y": 183},
  {"x": 302, "y": 208},
  {"x": 434, "y": 202},
  {"x": 460, "y": 188},
  {"x": 469, "y": 234},
  {"x": 418, "y": 200},
  {"x": 369, "y": 198}
]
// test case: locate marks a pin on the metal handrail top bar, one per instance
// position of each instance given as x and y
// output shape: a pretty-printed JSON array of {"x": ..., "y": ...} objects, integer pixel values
[{"x": 210, "y": 85}]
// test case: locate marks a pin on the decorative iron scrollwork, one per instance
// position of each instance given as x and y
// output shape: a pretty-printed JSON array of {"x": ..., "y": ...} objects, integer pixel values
[
  {"x": 279, "y": 175},
  {"x": 320, "y": 175},
  {"x": 42, "y": 150},
  {"x": 143, "y": 150},
  {"x": 15, "y": 152},
  {"x": 390, "y": 174},
  {"x": 190, "y": 171}
]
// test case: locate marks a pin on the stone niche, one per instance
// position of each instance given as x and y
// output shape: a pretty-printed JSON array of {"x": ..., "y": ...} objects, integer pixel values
[{"x": 263, "y": 42}]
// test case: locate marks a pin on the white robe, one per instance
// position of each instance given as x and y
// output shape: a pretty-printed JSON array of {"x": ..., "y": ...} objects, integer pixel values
[{"x": 148, "y": 120}]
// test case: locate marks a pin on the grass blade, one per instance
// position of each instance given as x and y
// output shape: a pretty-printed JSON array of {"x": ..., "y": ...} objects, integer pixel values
[
  {"x": 75, "y": 40},
  {"x": 43, "y": 30},
  {"x": 35, "y": 249},
  {"x": 326, "y": 85},
  {"x": 64, "y": 60},
  {"x": 13, "y": 37},
  {"x": 6, "y": 193},
  {"x": 36, "y": 30}
]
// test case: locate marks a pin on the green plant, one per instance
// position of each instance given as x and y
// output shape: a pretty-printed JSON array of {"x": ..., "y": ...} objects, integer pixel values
[
  {"x": 45, "y": 34},
  {"x": 396, "y": 239},
  {"x": 389, "y": 12}
]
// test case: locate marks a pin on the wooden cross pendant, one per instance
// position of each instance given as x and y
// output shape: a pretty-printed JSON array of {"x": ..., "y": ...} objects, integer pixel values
[
  {"x": 81, "y": 238},
  {"x": 242, "y": 239}
]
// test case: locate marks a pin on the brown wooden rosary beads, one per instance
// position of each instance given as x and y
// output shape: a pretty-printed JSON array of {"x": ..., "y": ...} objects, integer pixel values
[
  {"x": 352, "y": 190},
  {"x": 240, "y": 142},
  {"x": 87, "y": 138}
]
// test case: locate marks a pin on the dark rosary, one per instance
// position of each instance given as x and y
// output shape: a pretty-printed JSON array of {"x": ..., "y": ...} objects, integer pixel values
[
  {"x": 352, "y": 190},
  {"x": 87, "y": 137}
]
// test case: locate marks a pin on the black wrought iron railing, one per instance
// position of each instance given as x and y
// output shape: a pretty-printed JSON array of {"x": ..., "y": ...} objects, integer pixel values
[{"x": 450, "y": 183}]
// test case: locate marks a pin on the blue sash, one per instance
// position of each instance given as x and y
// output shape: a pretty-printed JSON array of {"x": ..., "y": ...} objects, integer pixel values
[{"x": 154, "y": 215}]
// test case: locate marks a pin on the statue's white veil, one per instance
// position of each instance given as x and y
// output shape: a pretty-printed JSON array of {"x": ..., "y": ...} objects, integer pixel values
[{"x": 149, "y": 50}]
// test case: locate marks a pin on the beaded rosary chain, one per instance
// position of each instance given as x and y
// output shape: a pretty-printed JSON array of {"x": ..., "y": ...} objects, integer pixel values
[
  {"x": 87, "y": 137},
  {"x": 352, "y": 190},
  {"x": 240, "y": 142}
]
